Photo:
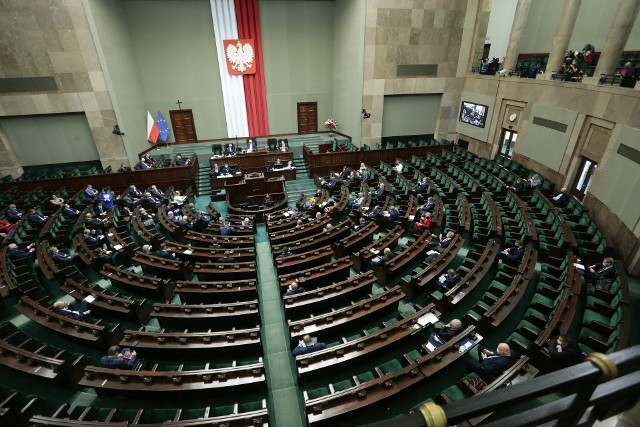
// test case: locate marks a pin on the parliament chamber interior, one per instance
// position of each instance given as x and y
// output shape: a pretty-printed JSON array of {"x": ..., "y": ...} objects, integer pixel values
[{"x": 322, "y": 212}]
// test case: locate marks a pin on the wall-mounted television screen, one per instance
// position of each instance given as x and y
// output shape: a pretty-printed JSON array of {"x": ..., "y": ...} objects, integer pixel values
[{"x": 473, "y": 114}]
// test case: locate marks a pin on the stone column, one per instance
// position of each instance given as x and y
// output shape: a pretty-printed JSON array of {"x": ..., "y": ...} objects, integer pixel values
[
  {"x": 517, "y": 30},
  {"x": 563, "y": 36},
  {"x": 617, "y": 37},
  {"x": 9, "y": 164}
]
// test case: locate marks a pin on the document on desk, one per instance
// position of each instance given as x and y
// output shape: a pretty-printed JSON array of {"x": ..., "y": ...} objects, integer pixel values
[
  {"x": 188, "y": 252},
  {"x": 427, "y": 319},
  {"x": 310, "y": 328}
]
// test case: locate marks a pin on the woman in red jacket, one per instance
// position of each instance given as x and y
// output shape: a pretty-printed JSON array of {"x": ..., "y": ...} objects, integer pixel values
[{"x": 424, "y": 222}]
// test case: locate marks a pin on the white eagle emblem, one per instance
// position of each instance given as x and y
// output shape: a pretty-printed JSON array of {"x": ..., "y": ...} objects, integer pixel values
[{"x": 240, "y": 56}]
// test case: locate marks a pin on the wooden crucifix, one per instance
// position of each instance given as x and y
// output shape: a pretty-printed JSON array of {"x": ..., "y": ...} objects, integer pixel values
[{"x": 179, "y": 104}]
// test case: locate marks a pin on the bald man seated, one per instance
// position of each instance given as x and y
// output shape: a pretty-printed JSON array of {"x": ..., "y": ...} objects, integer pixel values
[{"x": 492, "y": 363}]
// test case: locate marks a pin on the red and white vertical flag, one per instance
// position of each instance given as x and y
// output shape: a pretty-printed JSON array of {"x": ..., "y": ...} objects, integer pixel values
[{"x": 152, "y": 129}]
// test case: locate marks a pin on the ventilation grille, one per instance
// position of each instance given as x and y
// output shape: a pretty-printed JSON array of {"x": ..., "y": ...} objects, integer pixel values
[
  {"x": 551, "y": 124},
  {"x": 417, "y": 70},
  {"x": 28, "y": 84},
  {"x": 629, "y": 153}
]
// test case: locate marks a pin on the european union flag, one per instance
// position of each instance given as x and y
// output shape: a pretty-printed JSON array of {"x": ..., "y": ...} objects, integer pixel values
[{"x": 162, "y": 127}]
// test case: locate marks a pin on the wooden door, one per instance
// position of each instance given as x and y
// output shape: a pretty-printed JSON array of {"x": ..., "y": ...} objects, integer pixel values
[
  {"x": 307, "y": 117},
  {"x": 184, "y": 128},
  {"x": 582, "y": 181}
]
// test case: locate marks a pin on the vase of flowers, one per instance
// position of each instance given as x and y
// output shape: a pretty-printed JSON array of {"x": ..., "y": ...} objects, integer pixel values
[{"x": 331, "y": 124}]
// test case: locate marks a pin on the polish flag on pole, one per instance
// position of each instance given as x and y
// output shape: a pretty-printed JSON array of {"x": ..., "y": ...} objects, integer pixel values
[{"x": 152, "y": 129}]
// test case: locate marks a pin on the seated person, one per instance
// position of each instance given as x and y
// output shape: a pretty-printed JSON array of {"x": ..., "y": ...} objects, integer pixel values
[
  {"x": 445, "y": 333},
  {"x": 379, "y": 194},
  {"x": 91, "y": 238},
  {"x": 144, "y": 164},
  {"x": 252, "y": 145},
  {"x": 443, "y": 243},
  {"x": 106, "y": 199},
  {"x": 179, "y": 161},
  {"x": 164, "y": 253},
  {"x": 285, "y": 253},
  {"x": 134, "y": 192},
  {"x": 35, "y": 218},
  {"x": 156, "y": 192},
  {"x": 283, "y": 145},
  {"x": 601, "y": 273},
  {"x": 535, "y": 181},
  {"x": 394, "y": 216},
  {"x": 423, "y": 224},
  {"x": 215, "y": 170},
  {"x": 534, "y": 70},
  {"x": 90, "y": 191},
  {"x": 355, "y": 204},
  {"x": 571, "y": 71},
  {"x": 55, "y": 200},
  {"x": 428, "y": 206},
  {"x": 518, "y": 186},
  {"x": 381, "y": 260},
  {"x": 70, "y": 212},
  {"x": 492, "y": 363},
  {"x": 449, "y": 280},
  {"x": 91, "y": 222},
  {"x": 227, "y": 258},
  {"x": 421, "y": 187},
  {"x": 106, "y": 256},
  {"x": 268, "y": 201},
  {"x": 124, "y": 168},
  {"x": 308, "y": 345},
  {"x": 152, "y": 200},
  {"x": 14, "y": 214},
  {"x": 513, "y": 254},
  {"x": 278, "y": 164},
  {"x": 59, "y": 257},
  {"x": 398, "y": 167},
  {"x": 16, "y": 253},
  {"x": 362, "y": 223},
  {"x": 629, "y": 75},
  {"x": 227, "y": 230},
  {"x": 118, "y": 359},
  {"x": 562, "y": 198},
  {"x": 226, "y": 170},
  {"x": 290, "y": 165},
  {"x": 564, "y": 352},
  {"x": 375, "y": 213},
  {"x": 179, "y": 220},
  {"x": 230, "y": 150},
  {"x": 293, "y": 289},
  {"x": 62, "y": 307}
]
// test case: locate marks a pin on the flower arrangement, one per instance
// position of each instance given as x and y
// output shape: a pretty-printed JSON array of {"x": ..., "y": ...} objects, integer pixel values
[{"x": 331, "y": 124}]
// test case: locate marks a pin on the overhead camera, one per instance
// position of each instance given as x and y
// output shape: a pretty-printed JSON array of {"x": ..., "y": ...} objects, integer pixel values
[
  {"x": 365, "y": 115},
  {"x": 117, "y": 131}
]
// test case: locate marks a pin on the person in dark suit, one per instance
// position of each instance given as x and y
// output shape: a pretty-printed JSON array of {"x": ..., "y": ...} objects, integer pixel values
[
  {"x": 394, "y": 216},
  {"x": 375, "y": 213},
  {"x": 285, "y": 253},
  {"x": 562, "y": 198},
  {"x": 227, "y": 230},
  {"x": 307, "y": 346},
  {"x": 564, "y": 352},
  {"x": 134, "y": 192},
  {"x": 62, "y": 307},
  {"x": 164, "y": 253},
  {"x": 449, "y": 280},
  {"x": 91, "y": 238},
  {"x": 492, "y": 363},
  {"x": 59, "y": 257},
  {"x": 252, "y": 145},
  {"x": 151, "y": 200},
  {"x": 421, "y": 187},
  {"x": 443, "y": 242},
  {"x": 428, "y": 206},
  {"x": 362, "y": 223},
  {"x": 268, "y": 201},
  {"x": 35, "y": 218},
  {"x": 378, "y": 194},
  {"x": 230, "y": 150},
  {"x": 519, "y": 186},
  {"x": 284, "y": 145},
  {"x": 179, "y": 161},
  {"x": 513, "y": 254},
  {"x": 601, "y": 273},
  {"x": 115, "y": 359},
  {"x": 227, "y": 258},
  {"x": 14, "y": 214},
  {"x": 226, "y": 169},
  {"x": 215, "y": 170},
  {"x": 446, "y": 333},
  {"x": 156, "y": 192},
  {"x": 293, "y": 289},
  {"x": 16, "y": 253},
  {"x": 381, "y": 260},
  {"x": 91, "y": 222},
  {"x": 124, "y": 168},
  {"x": 70, "y": 212}
]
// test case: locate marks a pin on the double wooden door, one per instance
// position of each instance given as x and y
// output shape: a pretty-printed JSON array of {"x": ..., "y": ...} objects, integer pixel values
[
  {"x": 184, "y": 128},
  {"x": 307, "y": 117}
]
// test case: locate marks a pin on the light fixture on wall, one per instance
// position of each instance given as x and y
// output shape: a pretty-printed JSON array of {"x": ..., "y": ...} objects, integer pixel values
[
  {"x": 117, "y": 131},
  {"x": 365, "y": 115}
]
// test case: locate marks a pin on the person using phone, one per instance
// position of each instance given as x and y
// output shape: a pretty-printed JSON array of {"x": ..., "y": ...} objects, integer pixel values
[{"x": 117, "y": 358}]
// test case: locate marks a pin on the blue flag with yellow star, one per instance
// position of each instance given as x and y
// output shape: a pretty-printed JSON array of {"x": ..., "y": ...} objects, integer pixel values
[{"x": 163, "y": 128}]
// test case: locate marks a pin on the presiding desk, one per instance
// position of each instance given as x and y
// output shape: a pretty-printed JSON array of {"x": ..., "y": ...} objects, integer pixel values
[
  {"x": 219, "y": 182},
  {"x": 247, "y": 197},
  {"x": 253, "y": 162}
]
